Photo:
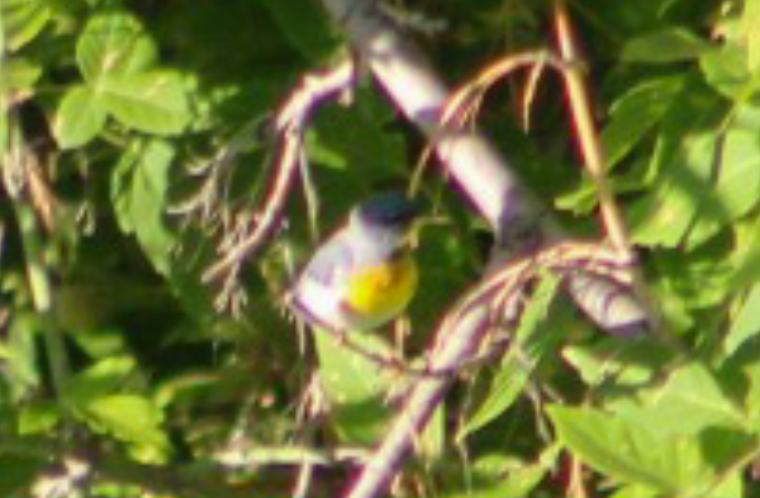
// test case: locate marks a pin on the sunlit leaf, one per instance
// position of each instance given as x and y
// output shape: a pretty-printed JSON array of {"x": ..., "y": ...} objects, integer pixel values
[
  {"x": 746, "y": 258},
  {"x": 691, "y": 401},
  {"x": 746, "y": 325},
  {"x": 665, "y": 214},
  {"x": 665, "y": 46},
  {"x": 355, "y": 385},
  {"x": 750, "y": 22},
  {"x": 21, "y": 368},
  {"x": 635, "y": 491},
  {"x": 501, "y": 476},
  {"x": 625, "y": 450},
  {"x": 635, "y": 113},
  {"x": 113, "y": 43},
  {"x": 153, "y": 101},
  {"x": 39, "y": 418},
  {"x": 22, "y": 21},
  {"x": 726, "y": 70},
  {"x": 736, "y": 187},
  {"x": 685, "y": 161},
  {"x": 632, "y": 362},
  {"x": 19, "y": 75},
  {"x": 139, "y": 188},
  {"x": 130, "y": 418},
  {"x": 532, "y": 341},
  {"x": 750, "y": 371},
  {"x": 80, "y": 117},
  {"x": 101, "y": 379}
]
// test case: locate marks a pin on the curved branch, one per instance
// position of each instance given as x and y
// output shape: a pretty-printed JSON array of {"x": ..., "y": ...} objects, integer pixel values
[
  {"x": 459, "y": 337},
  {"x": 290, "y": 122},
  {"x": 485, "y": 177}
]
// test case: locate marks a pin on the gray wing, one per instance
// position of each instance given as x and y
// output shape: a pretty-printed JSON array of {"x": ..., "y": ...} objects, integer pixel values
[{"x": 332, "y": 255}]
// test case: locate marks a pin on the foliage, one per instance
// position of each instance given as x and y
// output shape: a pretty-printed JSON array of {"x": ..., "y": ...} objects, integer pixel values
[{"x": 111, "y": 345}]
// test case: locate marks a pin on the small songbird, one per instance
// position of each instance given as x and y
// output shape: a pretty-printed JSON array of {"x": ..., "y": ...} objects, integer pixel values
[{"x": 364, "y": 275}]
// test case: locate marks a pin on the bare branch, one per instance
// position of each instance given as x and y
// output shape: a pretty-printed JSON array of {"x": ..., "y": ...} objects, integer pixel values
[
  {"x": 459, "y": 338},
  {"x": 520, "y": 223},
  {"x": 290, "y": 122}
]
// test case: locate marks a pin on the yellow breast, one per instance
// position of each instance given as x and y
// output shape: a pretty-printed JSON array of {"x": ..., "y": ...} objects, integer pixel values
[{"x": 383, "y": 291}]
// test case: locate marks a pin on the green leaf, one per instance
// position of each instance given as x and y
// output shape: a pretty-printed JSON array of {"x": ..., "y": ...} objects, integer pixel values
[
  {"x": 39, "y": 418},
  {"x": 103, "y": 378},
  {"x": 746, "y": 258},
  {"x": 153, "y": 102},
  {"x": 736, "y": 189},
  {"x": 746, "y": 325},
  {"x": 665, "y": 214},
  {"x": 22, "y": 21},
  {"x": 520, "y": 481},
  {"x": 633, "y": 451},
  {"x": 305, "y": 26},
  {"x": 685, "y": 159},
  {"x": 621, "y": 450},
  {"x": 113, "y": 43},
  {"x": 5, "y": 352},
  {"x": 139, "y": 189},
  {"x": 501, "y": 476},
  {"x": 531, "y": 343},
  {"x": 665, "y": 46},
  {"x": 726, "y": 70},
  {"x": 355, "y": 385},
  {"x": 19, "y": 76},
  {"x": 635, "y": 491},
  {"x": 133, "y": 419},
  {"x": 635, "y": 113},
  {"x": 750, "y": 378},
  {"x": 633, "y": 362},
  {"x": 81, "y": 115},
  {"x": 691, "y": 401},
  {"x": 22, "y": 370},
  {"x": 750, "y": 24}
]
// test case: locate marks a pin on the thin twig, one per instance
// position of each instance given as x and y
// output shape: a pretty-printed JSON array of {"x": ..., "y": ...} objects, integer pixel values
[
  {"x": 587, "y": 133},
  {"x": 458, "y": 340},
  {"x": 596, "y": 163},
  {"x": 290, "y": 123}
]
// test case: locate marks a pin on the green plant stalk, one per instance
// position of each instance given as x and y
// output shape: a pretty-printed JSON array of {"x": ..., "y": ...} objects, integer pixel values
[
  {"x": 39, "y": 283},
  {"x": 18, "y": 156}
]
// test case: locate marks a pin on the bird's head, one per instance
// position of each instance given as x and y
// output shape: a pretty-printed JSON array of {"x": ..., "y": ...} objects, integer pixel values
[{"x": 388, "y": 218}]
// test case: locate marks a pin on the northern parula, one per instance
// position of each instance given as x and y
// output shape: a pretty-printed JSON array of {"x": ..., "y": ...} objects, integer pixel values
[{"x": 364, "y": 275}]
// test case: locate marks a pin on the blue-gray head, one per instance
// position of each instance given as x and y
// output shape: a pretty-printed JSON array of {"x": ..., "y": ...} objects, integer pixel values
[{"x": 385, "y": 219}]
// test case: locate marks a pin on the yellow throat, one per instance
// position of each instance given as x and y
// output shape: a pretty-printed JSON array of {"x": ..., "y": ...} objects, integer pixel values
[{"x": 383, "y": 290}]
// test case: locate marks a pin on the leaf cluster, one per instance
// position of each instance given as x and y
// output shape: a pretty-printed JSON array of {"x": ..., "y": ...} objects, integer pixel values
[{"x": 111, "y": 350}]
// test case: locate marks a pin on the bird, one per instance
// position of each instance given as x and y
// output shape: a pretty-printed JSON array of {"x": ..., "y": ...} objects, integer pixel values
[{"x": 365, "y": 274}]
